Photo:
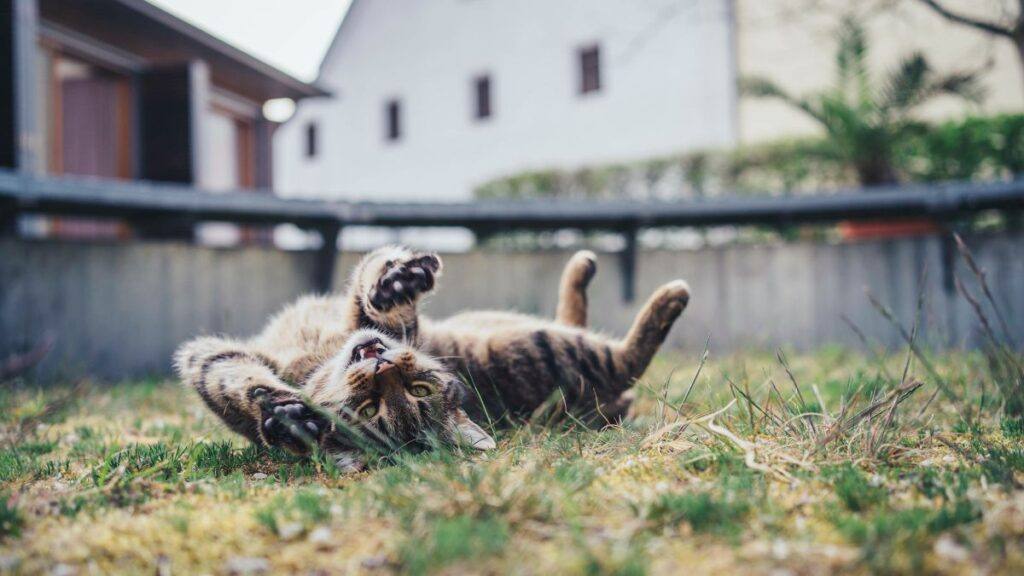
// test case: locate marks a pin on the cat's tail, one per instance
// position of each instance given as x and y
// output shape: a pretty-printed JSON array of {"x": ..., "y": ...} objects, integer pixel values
[{"x": 652, "y": 325}]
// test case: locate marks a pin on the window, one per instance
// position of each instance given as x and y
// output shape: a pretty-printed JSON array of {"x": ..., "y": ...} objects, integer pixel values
[
  {"x": 229, "y": 139},
  {"x": 590, "y": 70},
  {"x": 312, "y": 138},
  {"x": 482, "y": 96},
  {"x": 393, "y": 120}
]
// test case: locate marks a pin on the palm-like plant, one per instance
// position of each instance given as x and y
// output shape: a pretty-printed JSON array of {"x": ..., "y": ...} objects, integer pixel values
[{"x": 866, "y": 123}]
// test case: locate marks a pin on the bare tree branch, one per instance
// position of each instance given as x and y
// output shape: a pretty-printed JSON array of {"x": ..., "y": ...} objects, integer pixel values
[{"x": 990, "y": 27}]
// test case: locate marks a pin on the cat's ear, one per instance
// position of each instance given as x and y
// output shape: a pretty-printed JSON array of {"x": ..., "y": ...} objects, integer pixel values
[{"x": 470, "y": 435}]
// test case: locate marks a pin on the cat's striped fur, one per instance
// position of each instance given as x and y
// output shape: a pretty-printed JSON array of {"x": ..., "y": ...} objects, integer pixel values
[{"x": 514, "y": 362}]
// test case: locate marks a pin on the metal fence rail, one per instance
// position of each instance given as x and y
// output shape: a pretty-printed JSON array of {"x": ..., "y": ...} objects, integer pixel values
[
  {"x": 148, "y": 203},
  {"x": 145, "y": 200}
]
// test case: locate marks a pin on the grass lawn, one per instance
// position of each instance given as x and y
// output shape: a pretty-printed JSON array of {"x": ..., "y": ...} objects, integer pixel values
[{"x": 860, "y": 472}]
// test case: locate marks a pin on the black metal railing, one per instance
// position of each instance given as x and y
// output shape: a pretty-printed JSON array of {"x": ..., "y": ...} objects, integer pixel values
[{"x": 146, "y": 203}]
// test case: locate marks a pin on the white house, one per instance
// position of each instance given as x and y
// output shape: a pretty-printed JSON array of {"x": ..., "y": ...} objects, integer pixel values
[{"x": 433, "y": 97}]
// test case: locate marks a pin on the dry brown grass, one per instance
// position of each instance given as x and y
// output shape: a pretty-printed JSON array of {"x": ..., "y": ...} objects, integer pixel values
[{"x": 808, "y": 465}]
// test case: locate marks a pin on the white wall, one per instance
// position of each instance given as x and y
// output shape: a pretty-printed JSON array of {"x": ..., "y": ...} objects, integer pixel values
[
  {"x": 221, "y": 143},
  {"x": 667, "y": 75}
]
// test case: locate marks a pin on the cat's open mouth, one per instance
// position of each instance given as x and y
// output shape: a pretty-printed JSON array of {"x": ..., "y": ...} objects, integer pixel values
[
  {"x": 374, "y": 350},
  {"x": 368, "y": 350}
]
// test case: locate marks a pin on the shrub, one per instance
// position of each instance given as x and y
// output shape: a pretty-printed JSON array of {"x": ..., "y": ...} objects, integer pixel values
[
  {"x": 972, "y": 148},
  {"x": 967, "y": 149}
]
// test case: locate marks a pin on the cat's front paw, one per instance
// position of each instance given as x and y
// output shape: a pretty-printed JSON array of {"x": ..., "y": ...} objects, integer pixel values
[
  {"x": 403, "y": 282},
  {"x": 288, "y": 422}
]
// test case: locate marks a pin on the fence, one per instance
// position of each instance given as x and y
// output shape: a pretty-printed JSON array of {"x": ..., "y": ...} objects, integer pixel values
[{"x": 118, "y": 310}]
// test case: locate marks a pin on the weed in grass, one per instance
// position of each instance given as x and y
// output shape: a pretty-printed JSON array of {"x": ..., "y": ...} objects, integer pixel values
[
  {"x": 25, "y": 409},
  {"x": 1005, "y": 364},
  {"x": 11, "y": 519},
  {"x": 216, "y": 459},
  {"x": 166, "y": 462},
  {"x": 896, "y": 541},
  {"x": 71, "y": 507},
  {"x": 628, "y": 560},
  {"x": 1001, "y": 464},
  {"x": 958, "y": 512},
  {"x": 704, "y": 512},
  {"x": 13, "y": 465},
  {"x": 234, "y": 485},
  {"x": 1012, "y": 427},
  {"x": 444, "y": 484},
  {"x": 26, "y": 462},
  {"x": 450, "y": 540},
  {"x": 574, "y": 474},
  {"x": 305, "y": 509},
  {"x": 854, "y": 489},
  {"x": 268, "y": 514},
  {"x": 89, "y": 443},
  {"x": 37, "y": 448},
  {"x": 179, "y": 522},
  {"x": 947, "y": 485},
  {"x": 312, "y": 506}
]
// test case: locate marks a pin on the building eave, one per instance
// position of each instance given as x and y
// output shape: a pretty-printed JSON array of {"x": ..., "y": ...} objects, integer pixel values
[{"x": 253, "y": 77}]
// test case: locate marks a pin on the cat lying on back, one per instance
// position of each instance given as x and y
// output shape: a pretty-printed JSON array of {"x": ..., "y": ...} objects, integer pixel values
[{"x": 391, "y": 378}]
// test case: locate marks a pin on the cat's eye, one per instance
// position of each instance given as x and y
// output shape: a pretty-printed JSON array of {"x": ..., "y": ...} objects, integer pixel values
[
  {"x": 420, "y": 390},
  {"x": 368, "y": 411}
]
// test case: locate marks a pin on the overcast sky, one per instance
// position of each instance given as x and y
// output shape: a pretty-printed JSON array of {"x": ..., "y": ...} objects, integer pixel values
[{"x": 290, "y": 34}]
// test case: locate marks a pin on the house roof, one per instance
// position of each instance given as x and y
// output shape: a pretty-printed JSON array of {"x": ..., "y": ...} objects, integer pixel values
[
  {"x": 157, "y": 37},
  {"x": 352, "y": 7}
]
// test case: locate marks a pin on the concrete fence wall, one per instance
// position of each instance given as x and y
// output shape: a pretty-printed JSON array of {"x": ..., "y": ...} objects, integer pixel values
[{"x": 119, "y": 310}]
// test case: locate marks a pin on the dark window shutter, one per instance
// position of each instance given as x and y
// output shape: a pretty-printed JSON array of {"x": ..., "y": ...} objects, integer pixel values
[
  {"x": 482, "y": 91},
  {"x": 393, "y": 119},
  {"x": 590, "y": 70},
  {"x": 170, "y": 101},
  {"x": 312, "y": 137}
]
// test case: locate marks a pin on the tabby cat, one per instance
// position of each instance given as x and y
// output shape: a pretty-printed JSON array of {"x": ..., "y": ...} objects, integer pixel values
[{"x": 362, "y": 369}]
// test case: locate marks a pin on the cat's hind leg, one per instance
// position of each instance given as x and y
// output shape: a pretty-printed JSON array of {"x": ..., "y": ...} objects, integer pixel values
[
  {"x": 242, "y": 387},
  {"x": 652, "y": 325},
  {"x": 572, "y": 290}
]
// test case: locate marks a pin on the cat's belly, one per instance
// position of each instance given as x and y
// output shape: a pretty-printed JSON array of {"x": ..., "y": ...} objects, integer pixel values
[{"x": 513, "y": 368}]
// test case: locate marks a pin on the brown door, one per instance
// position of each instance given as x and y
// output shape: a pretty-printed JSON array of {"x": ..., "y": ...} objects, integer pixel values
[{"x": 94, "y": 127}]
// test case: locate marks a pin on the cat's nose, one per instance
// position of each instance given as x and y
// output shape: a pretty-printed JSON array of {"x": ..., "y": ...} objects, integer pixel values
[
  {"x": 387, "y": 374},
  {"x": 385, "y": 366}
]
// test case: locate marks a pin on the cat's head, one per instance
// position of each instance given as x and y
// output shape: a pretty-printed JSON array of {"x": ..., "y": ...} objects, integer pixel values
[{"x": 391, "y": 396}]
